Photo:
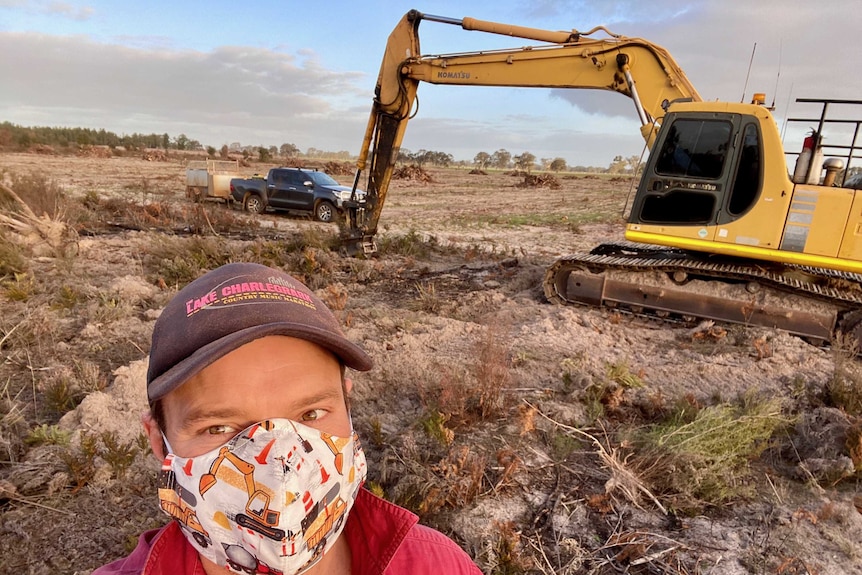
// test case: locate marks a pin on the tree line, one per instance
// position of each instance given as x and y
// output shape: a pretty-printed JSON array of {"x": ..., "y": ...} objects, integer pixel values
[
  {"x": 22, "y": 137},
  {"x": 13, "y": 136},
  {"x": 503, "y": 159}
]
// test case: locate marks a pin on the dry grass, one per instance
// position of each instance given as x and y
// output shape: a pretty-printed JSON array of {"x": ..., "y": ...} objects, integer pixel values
[
  {"x": 427, "y": 299},
  {"x": 492, "y": 371},
  {"x": 34, "y": 217},
  {"x": 458, "y": 398},
  {"x": 844, "y": 388},
  {"x": 43, "y": 196},
  {"x": 412, "y": 244},
  {"x": 442, "y": 428},
  {"x": 12, "y": 258}
]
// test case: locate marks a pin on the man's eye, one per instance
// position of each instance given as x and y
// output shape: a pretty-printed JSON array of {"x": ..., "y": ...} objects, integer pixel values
[
  {"x": 313, "y": 415},
  {"x": 220, "y": 429}
]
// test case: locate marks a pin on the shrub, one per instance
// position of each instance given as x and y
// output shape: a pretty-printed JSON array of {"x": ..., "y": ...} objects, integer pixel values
[{"x": 706, "y": 461}]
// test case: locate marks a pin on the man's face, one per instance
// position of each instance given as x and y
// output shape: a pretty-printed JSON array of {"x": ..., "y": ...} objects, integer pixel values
[{"x": 272, "y": 377}]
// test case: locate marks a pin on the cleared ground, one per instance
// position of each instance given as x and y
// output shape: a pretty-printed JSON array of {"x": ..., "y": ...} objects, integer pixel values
[{"x": 543, "y": 439}]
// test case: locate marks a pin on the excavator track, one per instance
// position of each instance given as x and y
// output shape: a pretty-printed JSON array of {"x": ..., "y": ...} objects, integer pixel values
[{"x": 674, "y": 284}]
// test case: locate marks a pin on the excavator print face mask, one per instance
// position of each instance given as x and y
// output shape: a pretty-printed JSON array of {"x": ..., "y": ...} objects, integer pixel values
[{"x": 273, "y": 499}]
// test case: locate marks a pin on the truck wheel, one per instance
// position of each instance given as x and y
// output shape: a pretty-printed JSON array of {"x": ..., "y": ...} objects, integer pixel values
[
  {"x": 254, "y": 204},
  {"x": 324, "y": 212}
]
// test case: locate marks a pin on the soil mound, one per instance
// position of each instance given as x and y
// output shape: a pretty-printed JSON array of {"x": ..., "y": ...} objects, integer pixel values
[{"x": 413, "y": 173}]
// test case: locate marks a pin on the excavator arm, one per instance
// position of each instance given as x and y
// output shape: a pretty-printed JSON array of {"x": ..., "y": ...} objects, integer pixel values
[{"x": 638, "y": 69}]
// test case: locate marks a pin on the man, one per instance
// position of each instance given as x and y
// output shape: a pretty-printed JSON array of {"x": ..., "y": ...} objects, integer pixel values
[{"x": 261, "y": 470}]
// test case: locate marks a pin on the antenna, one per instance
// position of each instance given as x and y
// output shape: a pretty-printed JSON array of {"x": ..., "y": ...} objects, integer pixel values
[
  {"x": 786, "y": 106},
  {"x": 750, "y": 62},
  {"x": 777, "y": 76}
]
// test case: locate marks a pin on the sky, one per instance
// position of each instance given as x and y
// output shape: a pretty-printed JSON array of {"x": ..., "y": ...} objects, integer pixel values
[{"x": 272, "y": 72}]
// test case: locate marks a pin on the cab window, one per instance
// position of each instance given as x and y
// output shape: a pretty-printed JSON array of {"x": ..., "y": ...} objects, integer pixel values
[
  {"x": 746, "y": 183},
  {"x": 695, "y": 149}
]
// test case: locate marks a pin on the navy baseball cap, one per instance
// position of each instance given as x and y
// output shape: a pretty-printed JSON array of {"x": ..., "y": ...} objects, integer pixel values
[{"x": 231, "y": 306}]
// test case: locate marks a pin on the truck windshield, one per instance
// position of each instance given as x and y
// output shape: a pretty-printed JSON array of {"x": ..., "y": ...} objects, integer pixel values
[{"x": 321, "y": 179}]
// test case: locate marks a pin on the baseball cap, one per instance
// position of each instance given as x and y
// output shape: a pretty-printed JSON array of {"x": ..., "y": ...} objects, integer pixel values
[{"x": 230, "y": 306}]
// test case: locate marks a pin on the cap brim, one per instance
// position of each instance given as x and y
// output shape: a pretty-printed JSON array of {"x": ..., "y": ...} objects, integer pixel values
[{"x": 349, "y": 353}]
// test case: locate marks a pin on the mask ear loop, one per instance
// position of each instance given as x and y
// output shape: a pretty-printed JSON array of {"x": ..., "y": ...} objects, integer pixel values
[{"x": 166, "y": 444}]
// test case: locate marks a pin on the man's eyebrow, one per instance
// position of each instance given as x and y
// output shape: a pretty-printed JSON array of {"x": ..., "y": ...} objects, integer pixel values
[
  {"x": 204, "y": 414},
  {"x": 323, "y": 395},
  {"x": 196, "y": 415}
]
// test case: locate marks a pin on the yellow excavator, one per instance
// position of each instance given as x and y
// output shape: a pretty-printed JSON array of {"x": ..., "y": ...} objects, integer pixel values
[
  {"x": 258, "y": 516},
  {"x": 718, "y": 228}
]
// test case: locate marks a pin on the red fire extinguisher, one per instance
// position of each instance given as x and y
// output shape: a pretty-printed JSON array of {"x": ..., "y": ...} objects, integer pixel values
[{"x": 808, "y": 154}]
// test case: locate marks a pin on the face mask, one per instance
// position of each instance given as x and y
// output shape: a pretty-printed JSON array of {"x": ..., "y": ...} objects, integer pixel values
[{"x": 272, "y": 499}]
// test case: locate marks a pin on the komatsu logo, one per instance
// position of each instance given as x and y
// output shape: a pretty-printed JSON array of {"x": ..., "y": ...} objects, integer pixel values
[{"x": 454, "y": 75}]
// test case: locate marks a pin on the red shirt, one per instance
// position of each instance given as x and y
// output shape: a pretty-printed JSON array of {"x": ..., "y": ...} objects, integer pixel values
[{"x": 384, "y": 539}]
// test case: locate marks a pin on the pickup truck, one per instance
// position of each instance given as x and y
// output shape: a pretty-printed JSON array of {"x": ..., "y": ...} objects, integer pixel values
[{"x": 293, "y": 189}]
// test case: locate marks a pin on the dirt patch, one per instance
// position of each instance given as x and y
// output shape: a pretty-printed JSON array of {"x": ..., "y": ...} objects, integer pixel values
[{"x": 511, "y": 424}]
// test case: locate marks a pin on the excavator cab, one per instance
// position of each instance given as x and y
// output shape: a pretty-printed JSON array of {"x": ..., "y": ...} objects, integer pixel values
[
  {"x": 258, "y": 507},
  {"x": 706, "y": 170}
]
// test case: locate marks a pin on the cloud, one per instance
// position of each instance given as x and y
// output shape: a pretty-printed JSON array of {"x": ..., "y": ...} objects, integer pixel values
[
  {"x": 609, "y": 12},
  {"x": 258, "y": 94},
  {"x": 591, "y": 143},
  {"x": 713, "y": 43},
  {"x": 51, "y": 8},
  {"x": 69, "y": 11},
  {"x": 273, "y": 95}
]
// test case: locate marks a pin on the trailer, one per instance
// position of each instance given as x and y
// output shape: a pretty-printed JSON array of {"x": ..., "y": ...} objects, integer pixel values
[{"x": 210, "y": 179}]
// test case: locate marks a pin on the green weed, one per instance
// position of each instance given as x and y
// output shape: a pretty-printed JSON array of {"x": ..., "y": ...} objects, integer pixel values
[
  {"x": 67, "y": 297},
  {"x": 377, "y": 438},
  {"x": 21, "y": 288},
  {"x": 844, "y": 388},
  {"x": 434, "y": 424},
  {"x": 312, "y": 237},
  {"x": 11, "y": 418},
  {"x": 81, "y": 462},
  {"x": 60, "y": 395},
  {"x": 12, "y": 260},
  {"x": 178, "y": 261},
  {"x": 563, "y": 445},
  {"x": 118, "y": 455},
  {"x": 47, "y": 435},
  {"x": 142, "y": 442},
  {"x": 91, "y": 200},
  {"x": 620, "y": 373}
]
